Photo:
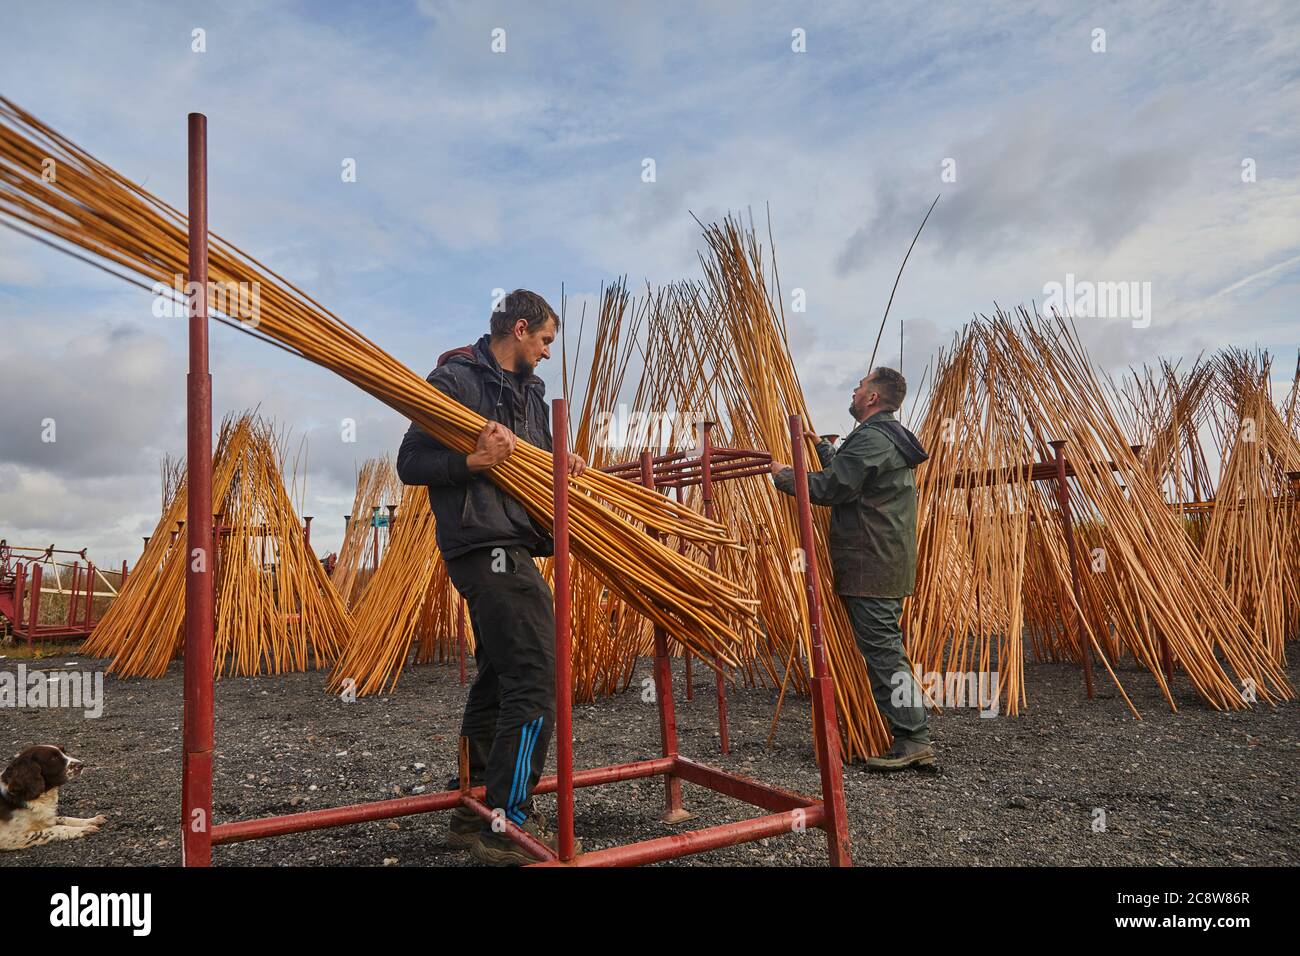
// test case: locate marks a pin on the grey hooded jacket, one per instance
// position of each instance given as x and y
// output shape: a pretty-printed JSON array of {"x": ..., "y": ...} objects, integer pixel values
[{"x": 472, "y": 512}]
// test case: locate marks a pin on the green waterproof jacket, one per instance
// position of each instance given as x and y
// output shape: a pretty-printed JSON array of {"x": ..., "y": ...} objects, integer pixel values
[{"x": 870, "y": 488}]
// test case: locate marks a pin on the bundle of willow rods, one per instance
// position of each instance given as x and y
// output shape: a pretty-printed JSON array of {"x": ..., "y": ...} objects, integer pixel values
[
  {"x": 1009, "y": 386},
  {"x": 760, "y": 388},
  {"x": 689, "y": 367},
  {"x": 377, "y": 487},
  {"x": 1245, "y": 525},
  {"x": 90, "y": 207},
  {"x": 285, "y": 617},
  {"x": 974, "y": 560},
  {"x": 386, "y": 618},
  {"x": 1251, "y": 533},
  {"x": 436, "y": 629},
  {"x": 608, "y": 636},
  {"x": 1164, "y": 412}
]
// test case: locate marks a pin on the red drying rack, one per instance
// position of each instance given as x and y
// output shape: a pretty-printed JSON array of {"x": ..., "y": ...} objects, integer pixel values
[
  {"x": 786, "y": 812},
  {"x": 16, "y": 586},
  {"x": 680, "y": 470}
]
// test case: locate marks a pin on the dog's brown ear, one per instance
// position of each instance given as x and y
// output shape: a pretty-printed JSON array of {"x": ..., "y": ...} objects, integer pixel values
[{"x": 24, "y": 780}]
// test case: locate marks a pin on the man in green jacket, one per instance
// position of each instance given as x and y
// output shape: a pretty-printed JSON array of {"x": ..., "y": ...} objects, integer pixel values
[{"x": 869, "y": 486}]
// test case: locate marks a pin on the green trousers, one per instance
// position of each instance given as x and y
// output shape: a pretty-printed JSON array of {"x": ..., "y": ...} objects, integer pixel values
[{"x": 897, "y": 696}]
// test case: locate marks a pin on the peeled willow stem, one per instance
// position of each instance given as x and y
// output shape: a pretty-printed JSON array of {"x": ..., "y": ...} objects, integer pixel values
[{"x": 89, "y": 206}]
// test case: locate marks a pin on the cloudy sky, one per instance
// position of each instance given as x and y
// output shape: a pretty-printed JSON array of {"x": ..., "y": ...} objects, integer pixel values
[{"x": 1163, "y": 150}]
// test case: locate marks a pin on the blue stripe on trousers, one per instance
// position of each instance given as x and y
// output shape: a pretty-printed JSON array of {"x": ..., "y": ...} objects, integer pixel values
[{"x": 523, "y": 765}]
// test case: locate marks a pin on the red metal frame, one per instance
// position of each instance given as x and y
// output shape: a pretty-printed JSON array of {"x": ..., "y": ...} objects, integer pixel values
[
  {"x": 680, "y": 470},
  {"x": 16, "y": 586},
  {"x": 787, "y": 812}
]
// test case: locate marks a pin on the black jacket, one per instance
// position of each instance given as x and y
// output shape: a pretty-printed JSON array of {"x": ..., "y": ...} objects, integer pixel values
[{"x": 471, "y": 512}]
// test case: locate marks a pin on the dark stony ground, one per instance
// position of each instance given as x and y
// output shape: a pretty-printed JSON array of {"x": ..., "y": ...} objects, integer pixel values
[{"x": 1196, "y": 787}]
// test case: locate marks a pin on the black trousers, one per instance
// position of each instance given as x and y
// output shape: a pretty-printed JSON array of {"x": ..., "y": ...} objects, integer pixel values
[{"x": 510, "y": 713}]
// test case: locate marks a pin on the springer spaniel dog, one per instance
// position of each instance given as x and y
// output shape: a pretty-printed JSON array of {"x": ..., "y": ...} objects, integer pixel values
[{"x": 29, "y": 800}]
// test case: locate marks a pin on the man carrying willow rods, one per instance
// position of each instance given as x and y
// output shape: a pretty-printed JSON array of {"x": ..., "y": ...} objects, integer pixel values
[
  {"x": 488, "y": 542},
  {"x": 869, "y": 486}
]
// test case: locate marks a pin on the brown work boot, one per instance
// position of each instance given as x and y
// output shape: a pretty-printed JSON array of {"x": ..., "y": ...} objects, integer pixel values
[
  {"x": 904, "y": 754},
  {"x": 496, "y": 849},
  {"x": 464, "y": 828}
]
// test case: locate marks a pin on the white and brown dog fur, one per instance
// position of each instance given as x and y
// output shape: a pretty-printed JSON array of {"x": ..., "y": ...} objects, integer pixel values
[{"x": 29, "y": 800}]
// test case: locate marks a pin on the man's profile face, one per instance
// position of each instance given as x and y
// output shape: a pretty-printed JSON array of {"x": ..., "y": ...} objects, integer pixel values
[
  {"x": 534, "y": 346},
  {"x": 864, "y": 396}
]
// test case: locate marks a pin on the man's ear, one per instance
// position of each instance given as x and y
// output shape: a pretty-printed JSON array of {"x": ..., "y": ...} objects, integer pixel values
[
  {"x": 521, "y": 328},
  {"x": 24, "y": 780}
]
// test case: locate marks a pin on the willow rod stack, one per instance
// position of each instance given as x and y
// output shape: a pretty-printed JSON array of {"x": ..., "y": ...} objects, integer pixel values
[
  {"x": 276, "y": 611},
  {"x": 992, "y": 557},
  {"x": 760, "y": 388},
  {"x": 377, "y": 487},
  {"x": 1252, "y": 534},
  {"x": 396, "y": 602}
]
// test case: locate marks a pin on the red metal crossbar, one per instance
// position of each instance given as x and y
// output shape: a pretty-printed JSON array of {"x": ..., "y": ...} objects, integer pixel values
[{"x": 787, "y": 812}]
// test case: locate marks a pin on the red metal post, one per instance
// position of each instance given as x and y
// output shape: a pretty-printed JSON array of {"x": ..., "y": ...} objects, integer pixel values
[
  {"x": 706, "y": 490},
  {"x": 20, "y": 588},
  {"x": 306, "y": 530},
  {"x": 1067, "y": 526},
  {"x": 196, "y": 765},
  {"x": 122, "y": 582},
  {"x": 37, "y": 574},
  {"x": 825, "y": 718},
  {"x": 674, "y": 812},
  {"x": 563, "y": 662},
  {"x": 73, "y": 593},
  {"x": 90, "y": 591}
]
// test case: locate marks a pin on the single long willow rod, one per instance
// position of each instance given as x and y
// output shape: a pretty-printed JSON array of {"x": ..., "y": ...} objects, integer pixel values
[
  {"x": 871, "y": 363},
  {"x": 88, "y": 206}
]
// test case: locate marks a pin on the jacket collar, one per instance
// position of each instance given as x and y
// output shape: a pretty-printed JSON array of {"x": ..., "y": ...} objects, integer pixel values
[
  {"x": 483, "y": 356},
  {"x": 880, "y": 416}
]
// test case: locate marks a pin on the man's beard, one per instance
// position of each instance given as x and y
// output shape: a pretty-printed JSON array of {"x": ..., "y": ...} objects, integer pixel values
[{"x": 524, "y": 367}]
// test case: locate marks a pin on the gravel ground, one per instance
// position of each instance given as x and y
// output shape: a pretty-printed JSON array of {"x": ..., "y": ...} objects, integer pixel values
[{"x": 1196, "y": 787}]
